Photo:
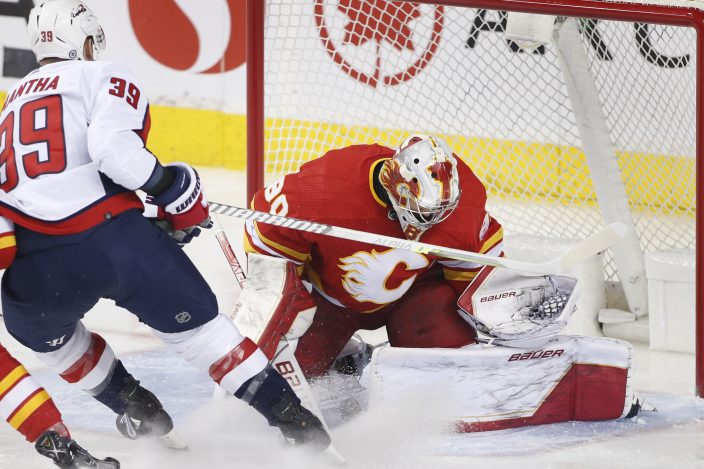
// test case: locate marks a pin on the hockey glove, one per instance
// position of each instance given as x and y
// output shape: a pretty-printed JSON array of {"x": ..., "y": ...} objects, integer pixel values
[
  {"x": 184, "y": 236},
  {"x": 183, "y": 203},
  {"x": 157, "y": 216},
  {"x": 181, "y": 210}
]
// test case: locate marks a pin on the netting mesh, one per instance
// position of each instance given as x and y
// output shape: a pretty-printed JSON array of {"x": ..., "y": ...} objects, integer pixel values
[{"x": 343, "y": 72}]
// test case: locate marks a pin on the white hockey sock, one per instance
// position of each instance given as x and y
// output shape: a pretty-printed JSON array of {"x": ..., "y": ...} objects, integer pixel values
[
  {"x": 86, "y": 360},
  {"x": 219, "y": 349}
]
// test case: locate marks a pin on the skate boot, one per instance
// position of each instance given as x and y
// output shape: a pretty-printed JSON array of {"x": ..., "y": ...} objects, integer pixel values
[
  {"x": 66, "y": 453},
  {"x": 637, "y": 406},
  {"x": 354, "y": 357},
  {"x": 298, "y": 425},
  {"x": 271, "y": 395},
  {"x": 145, "y": 416}
]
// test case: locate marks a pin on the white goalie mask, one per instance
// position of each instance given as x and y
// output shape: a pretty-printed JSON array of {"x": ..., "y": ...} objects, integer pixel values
[
  {"x": 515, "y": 310},
  {"x": 422, "y": 183},
  {"x": 59, "y": 28}
]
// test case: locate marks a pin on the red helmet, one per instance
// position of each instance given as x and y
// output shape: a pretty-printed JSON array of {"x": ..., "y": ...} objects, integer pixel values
[{"x": 422, "y": 183}]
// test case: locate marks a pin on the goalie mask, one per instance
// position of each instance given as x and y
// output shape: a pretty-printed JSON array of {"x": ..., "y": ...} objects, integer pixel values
[
  {"x": 515, "y": 310},
  {"x": 59, "y": 28},
  {"x": 422, "y": 183}
]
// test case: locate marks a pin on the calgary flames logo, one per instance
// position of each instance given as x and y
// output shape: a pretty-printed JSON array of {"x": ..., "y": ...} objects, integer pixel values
[
  {"x": 380, "y": 277},
  {"x": 382, "y": 42}
]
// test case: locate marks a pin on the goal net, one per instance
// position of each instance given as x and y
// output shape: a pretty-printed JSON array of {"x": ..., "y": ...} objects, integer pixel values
[{"x": 597, "y": 125}]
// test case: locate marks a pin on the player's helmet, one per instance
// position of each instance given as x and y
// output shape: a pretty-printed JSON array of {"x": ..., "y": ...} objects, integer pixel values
[
  {"x": 59, "y": 28},
  {"x": 422, "y": 183}
]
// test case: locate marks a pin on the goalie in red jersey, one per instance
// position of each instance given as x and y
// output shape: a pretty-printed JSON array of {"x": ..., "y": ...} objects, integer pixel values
[
  {"x": 419, "y": 191},
  {"x": 432, "y": 307}
]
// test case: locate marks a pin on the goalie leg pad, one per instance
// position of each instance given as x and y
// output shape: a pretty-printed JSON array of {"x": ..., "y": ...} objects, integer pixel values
[
  {"x": 273, "y": 303},
  {"x": 219, "y": 349},
  {"x": 489, "y": 388}
]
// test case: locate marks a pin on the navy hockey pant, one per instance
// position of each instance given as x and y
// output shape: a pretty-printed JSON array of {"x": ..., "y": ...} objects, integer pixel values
[{"x": 55, "y": 280}]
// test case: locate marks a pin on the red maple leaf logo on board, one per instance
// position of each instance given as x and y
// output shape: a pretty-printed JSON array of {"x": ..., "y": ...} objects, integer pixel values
[
  {"x": 379, "y": 20},
  {"x": 412, "y": 29}
]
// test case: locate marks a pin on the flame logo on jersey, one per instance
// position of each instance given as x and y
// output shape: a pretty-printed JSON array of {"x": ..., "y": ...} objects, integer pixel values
[{"x": 368, "y": 274}]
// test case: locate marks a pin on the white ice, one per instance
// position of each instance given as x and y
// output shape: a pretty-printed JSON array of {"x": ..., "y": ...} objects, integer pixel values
[{"x": 228, "y": 434}]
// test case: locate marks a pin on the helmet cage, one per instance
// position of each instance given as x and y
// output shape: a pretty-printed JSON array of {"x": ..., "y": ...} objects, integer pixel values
[{"x": 422, "y": 183}]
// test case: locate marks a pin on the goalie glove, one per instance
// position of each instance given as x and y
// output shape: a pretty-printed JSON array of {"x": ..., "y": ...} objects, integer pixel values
[{"x": 515, "y": 310}]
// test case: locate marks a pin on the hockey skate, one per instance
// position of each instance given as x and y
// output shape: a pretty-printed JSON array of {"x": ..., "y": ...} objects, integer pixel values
[
  {"x": 66, "y": 453},
  {"x": 298, "y": 425},
  {"x": 145, "y": 416},
  {"x": 343, "y": 397},
  {"x": 637, "y": 406}
]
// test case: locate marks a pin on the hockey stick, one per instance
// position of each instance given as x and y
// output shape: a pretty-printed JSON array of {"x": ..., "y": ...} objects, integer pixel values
[
  {"x": 586, "y": 248},
  {"x": 284, "y": 360},
  {"x": 229, "y": 252}
]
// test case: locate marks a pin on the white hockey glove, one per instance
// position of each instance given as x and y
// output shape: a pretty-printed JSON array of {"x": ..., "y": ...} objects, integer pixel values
[{"x": 515, "y": 310}]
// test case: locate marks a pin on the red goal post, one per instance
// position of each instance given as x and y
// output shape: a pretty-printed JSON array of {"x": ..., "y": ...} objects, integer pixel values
[{"x": 668, "y": 149}]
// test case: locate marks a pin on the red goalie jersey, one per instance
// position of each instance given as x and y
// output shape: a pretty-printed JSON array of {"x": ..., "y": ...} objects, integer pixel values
[{"x": 338, "y": 189}]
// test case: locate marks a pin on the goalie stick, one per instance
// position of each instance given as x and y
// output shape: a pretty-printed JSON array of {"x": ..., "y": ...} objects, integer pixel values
[
  {"x": 284, "y": 360},
  {"x": 586, "y": 248}
]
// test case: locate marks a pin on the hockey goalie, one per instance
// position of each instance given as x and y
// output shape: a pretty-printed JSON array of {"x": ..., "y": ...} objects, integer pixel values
[
  {"x": 520, "y": 372},
  {"x": 499, "y": 359}
]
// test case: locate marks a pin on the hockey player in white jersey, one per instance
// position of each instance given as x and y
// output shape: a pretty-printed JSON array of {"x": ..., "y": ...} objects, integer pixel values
[{"x": 73, "y": 152}]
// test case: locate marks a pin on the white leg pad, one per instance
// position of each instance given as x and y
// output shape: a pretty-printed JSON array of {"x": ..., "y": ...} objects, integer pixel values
[{"x": 484, "y": 387}]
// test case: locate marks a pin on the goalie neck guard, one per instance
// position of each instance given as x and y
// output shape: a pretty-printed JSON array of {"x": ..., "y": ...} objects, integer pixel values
[
  {"x": 59, "y": 28},
  {"x": 422, "y": 183}
]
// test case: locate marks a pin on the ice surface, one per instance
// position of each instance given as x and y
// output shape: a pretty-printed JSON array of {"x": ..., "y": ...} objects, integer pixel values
[{"x": 229, "y": 434}]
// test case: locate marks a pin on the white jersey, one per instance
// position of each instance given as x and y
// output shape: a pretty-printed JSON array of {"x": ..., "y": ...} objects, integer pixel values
[{"x": 72, "y": 146}]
